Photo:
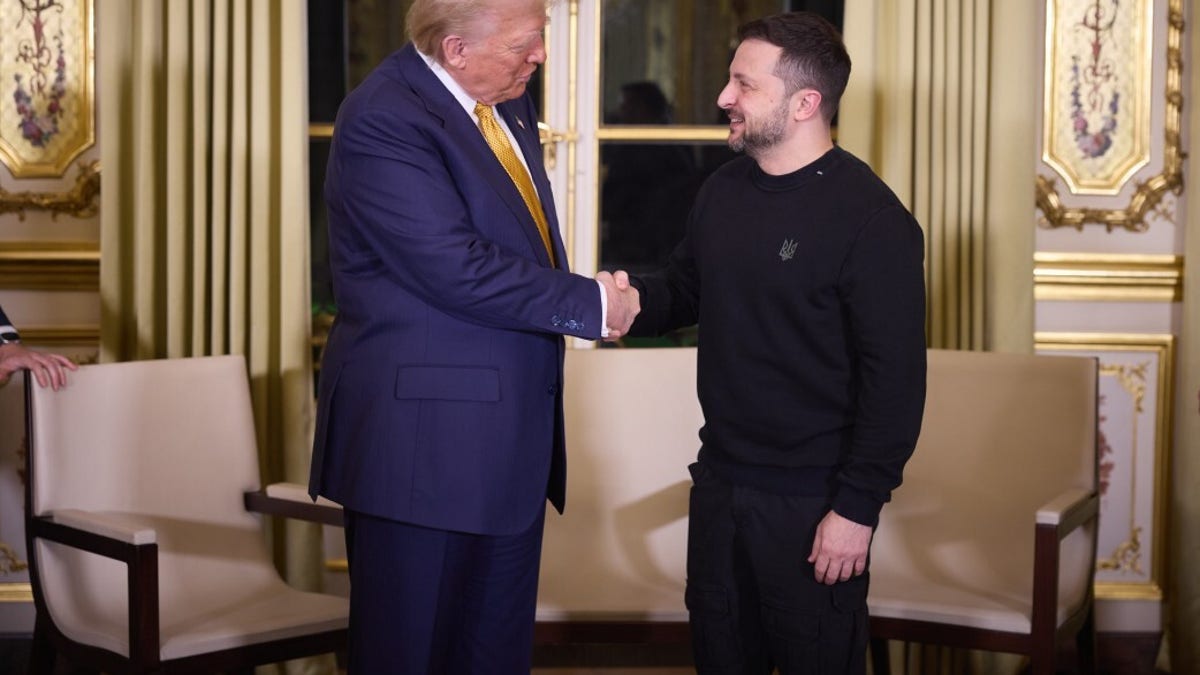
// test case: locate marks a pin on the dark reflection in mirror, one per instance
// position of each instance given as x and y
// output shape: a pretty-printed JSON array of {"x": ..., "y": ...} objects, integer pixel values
[
  {"x": 646, "y": 191},
  {"x": 683, "y": 47}
]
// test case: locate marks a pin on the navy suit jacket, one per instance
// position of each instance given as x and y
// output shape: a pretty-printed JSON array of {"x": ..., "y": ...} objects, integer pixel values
[{"x": 440, "y": 398}]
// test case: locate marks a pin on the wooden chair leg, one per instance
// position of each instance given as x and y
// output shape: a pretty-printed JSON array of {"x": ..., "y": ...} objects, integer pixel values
[
  {"x": 41, "y": 653},
  {"x": 1085, "y": 644},
  {"x": 1043, "y": 660},
  {"x": 880, "y": 662}
]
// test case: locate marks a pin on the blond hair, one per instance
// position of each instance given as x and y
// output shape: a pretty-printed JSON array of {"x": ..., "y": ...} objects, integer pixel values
[{"x": 429, "y": 21}]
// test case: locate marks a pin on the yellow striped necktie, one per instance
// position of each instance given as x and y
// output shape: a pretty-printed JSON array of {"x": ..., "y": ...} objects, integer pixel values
[{"x": 494, "y": 134}]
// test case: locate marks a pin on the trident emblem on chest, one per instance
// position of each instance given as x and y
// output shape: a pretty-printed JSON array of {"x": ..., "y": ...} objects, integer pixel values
[{"x": 787, "y": 250}]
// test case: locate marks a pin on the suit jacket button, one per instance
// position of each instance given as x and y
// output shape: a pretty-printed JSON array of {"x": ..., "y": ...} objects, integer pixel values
[{"x": 552, "y": 389}]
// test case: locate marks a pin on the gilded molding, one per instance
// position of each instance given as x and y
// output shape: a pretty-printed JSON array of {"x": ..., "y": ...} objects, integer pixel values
[
  {"x": 9, "y": 560},
  {"x": 1126, "y": 556},
  {"x": 675, "y": 133},
  {"x": 1147, "y": 194},
  {"x": 79, "y": 201},
  {"x": 16, "y": 592},
  {"x": 61, "y": 336},
  {"x": 1098, "y": 277},
  {"x": 320, "y": 130},
  {"x": 50, "y": 266}
]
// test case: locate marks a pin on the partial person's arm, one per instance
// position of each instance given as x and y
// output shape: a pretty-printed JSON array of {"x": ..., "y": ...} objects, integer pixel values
[
  {"x": 670, "y": 297},
  {"x": 883, "y": 291},
  {"x": 50, "y": 370}
]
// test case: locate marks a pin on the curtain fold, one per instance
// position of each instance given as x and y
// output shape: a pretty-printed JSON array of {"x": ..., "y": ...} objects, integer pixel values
[
  {"x": 204, "y": 222},
  {"x": 941, "y": 108}
]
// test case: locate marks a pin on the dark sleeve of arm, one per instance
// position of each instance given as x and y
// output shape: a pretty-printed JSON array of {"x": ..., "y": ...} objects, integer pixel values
[
  {"x": 670, "y": 297},
  {"x": 3, "y": 319},
  {"x": 883, "y": 289}
]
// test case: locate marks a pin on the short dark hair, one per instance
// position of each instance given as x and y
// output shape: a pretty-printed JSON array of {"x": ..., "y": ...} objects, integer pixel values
[{"x": 814, "y": 55}]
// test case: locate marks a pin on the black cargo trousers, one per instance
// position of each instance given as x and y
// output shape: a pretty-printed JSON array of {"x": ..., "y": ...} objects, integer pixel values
[{"x": 753, "y": 602}]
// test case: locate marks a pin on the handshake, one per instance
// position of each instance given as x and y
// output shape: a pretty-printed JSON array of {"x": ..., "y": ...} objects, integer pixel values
[{"x": 624, "y": 303}]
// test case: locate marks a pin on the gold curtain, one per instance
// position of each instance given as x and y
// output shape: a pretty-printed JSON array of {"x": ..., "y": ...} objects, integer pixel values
[
  {"x": 943, "y": 107},
  {"x": 1184, "y": 585},
  {"x": 204, "y": 222}
]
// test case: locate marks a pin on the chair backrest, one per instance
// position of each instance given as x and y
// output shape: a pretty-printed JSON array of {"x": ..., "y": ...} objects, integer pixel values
[
  {"x": 166, "y": 445},
  {"x": 172, "y": 437},
  {"x": 1002, "y": 435},
  {"x": 632, "y": 429}
]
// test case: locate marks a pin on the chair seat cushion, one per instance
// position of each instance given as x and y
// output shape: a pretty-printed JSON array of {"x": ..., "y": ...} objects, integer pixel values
[
  {"x": 217, "y": 589},
  {"x": 277, "y": 615},
  {"x": 917, "y": 599},
  {"x": 935, "y": 600}
]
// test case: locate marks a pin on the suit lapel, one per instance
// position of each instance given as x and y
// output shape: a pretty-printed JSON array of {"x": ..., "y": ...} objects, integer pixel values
[{"x": 440, "y": 103}]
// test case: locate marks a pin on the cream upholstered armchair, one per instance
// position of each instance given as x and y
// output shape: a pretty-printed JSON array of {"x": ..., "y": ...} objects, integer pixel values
[
  {"x": 143, "y": 555},
  {"x": 990, "y": 543}
]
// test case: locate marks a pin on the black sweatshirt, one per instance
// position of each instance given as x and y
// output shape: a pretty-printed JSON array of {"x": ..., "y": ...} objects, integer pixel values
[{"x": 811, "y": 368}]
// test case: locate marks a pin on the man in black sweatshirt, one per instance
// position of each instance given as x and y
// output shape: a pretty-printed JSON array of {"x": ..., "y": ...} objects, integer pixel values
[{"x": 804, "y": 273}]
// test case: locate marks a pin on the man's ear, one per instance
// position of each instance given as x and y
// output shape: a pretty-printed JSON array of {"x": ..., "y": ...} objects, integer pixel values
[
  {"x": 808, "y": 104},
  {"x": 454, "y": 51}
]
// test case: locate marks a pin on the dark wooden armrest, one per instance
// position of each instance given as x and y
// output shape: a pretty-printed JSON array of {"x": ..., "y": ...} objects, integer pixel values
[
  {"x": 289, "y": 505},
  {"x": 1055, "y": 521},
  {"x": 141, "y": 561}
]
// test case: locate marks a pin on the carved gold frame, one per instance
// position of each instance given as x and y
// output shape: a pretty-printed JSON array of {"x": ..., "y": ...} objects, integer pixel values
[
  {"x": 1149, "y": 193},
  {"x": 78, "y": 198},
  {"x": 84, "y": 131},
  {"x": 1163, "y": 347}
]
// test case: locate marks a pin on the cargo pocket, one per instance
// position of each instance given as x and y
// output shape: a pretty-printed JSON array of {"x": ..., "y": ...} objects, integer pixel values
[
  {"x": 848, "y": 627},
  {"x": 795, "y": 637},
  {"x": 715, "y": 641}
]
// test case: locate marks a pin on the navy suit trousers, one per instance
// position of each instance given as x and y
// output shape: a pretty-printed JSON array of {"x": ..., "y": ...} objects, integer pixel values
[{"x": 426, "y": 601}]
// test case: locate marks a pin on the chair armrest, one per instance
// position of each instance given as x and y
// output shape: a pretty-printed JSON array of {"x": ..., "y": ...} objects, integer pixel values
[
  {"x": 1069, "y": 510},
  {"x": 292, "y": 501},
  {"x": 106, "y": 535},
  {"x": 1055, "y": 521},
  {"x": 106, "y": 525}
]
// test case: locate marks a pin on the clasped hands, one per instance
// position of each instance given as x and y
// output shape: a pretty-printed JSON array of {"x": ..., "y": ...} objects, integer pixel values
[{"x": 624, "y": 303}]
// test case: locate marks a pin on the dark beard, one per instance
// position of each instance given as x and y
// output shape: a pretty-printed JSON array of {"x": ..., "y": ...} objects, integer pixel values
[{"x": 754, "y": 141}]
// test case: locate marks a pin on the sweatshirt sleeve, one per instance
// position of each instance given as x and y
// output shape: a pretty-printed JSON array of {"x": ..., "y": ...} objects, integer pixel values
[{"x": 882, "y": 287}]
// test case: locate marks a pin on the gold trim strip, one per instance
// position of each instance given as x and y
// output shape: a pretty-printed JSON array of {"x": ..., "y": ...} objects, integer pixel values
[
  {"x": 1086, "y": 276},
  {"x": 16, "y": 592},
  {"x": 1107, "y": 590},
  {"x": 572, "y": 135},
  {"x": 338, "y": 565},
  {"x": 50, "y": 266},
  {"x": 677, "y": 134},
  {"x": 320, "y": 130},
  {"x": 60, "y": 336}
]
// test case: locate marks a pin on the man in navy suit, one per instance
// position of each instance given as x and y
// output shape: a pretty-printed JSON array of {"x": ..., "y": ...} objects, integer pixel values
[
  {"x": 50, "y": 370},
  {"x": 440, "y": 420}
]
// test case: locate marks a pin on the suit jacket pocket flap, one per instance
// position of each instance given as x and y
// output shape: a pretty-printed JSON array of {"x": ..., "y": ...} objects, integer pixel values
[{"x": 448, "y": 383}]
